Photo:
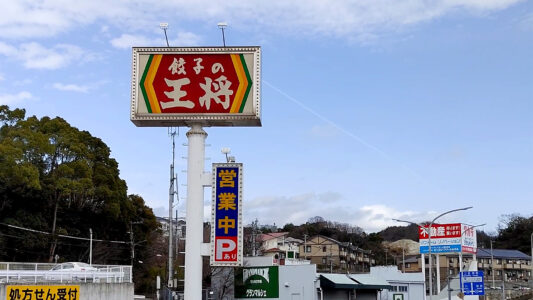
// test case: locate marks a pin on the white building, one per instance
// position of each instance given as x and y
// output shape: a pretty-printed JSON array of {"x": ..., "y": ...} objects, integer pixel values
[{"x": 405, "y": 286}]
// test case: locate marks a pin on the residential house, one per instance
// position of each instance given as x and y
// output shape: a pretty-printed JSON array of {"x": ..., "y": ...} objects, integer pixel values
[
  {"x": 331, "y": 255},
  {"x": 280, "y": 246}
]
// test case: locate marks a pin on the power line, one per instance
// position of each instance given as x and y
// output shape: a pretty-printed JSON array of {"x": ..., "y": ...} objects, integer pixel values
[{"x": 62, "y": 235}]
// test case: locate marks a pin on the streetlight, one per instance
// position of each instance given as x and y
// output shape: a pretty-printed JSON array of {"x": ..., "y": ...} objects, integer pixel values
[
  {"x": 429, "y": 241},
  {"x": 531, "y": 259}
]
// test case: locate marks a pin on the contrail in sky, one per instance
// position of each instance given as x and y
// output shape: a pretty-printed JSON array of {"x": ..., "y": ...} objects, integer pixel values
[{"x": 341, "y": 129}]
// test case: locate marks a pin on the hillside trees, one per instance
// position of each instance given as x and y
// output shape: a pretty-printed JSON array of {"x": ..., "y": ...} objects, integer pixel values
[
  {"x": 61, "y": 180},
  {"x": 514, "y": 232}
]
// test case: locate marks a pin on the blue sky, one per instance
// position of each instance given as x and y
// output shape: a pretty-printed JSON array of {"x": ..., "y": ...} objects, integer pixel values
[{"x": 372, "y": 110}]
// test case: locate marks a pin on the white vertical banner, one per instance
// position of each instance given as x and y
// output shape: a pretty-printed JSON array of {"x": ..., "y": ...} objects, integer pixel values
[{"x": 468, "y": 239}]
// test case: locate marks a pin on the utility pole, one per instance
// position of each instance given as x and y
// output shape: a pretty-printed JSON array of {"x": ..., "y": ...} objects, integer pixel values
[
  {"x": 254, "y": 228},
  {"x": 171, "y": 193},
  {"x": 305, "y": 246},
  {"x": 132, "y": 243},
  {"x": 492, "y": 263},
  {"x": 403, "y": 259},
  {"x": 330, "y": 260}
]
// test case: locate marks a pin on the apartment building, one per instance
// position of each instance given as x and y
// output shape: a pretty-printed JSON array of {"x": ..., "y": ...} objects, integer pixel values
[
  {"x": 508, "y": 265},
  {"x": 331, "y": 255}
]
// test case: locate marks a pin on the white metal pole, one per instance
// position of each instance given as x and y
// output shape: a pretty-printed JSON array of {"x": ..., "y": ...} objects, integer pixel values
[
  {"x": 90, "y": 246},
  {"x": 423, "y": 264},
  {"x": 438, "y": 273},
  {"x": 195, "y": 212},
  {"x": 430, "y": 262},
  {"x": 460, "y": 262}
]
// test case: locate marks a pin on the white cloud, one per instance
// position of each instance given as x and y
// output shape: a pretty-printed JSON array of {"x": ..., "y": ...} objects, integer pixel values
[
  {"x": 71, "y": 87},
  {"x": 341, "y": 18},
  {"x": 331, "y": 206},
  {"x": 35, "y": 56},
  {"x": 130, "y": 40},
  {"x": 9, "y": 99}
]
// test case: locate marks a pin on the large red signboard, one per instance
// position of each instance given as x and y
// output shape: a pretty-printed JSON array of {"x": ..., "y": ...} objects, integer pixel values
[
  {"x": 210, "y": 86},
  {"x": 440, "y": 231},
  {"x": 447, "y": 238}
]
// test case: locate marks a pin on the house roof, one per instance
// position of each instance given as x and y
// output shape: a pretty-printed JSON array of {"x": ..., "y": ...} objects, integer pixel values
[
  {"x": 502, "y": 254},
  {"x": 272, "y": 250},
  {"x": 392, "y": 274},
  {"x": 353, "y": 281},
  {"x": 337, "y": 281},
  {"x": 326, "y": 238},
  {"x": 293, "y": 240},
  {"x": 268, "y": 236},
  {"x": 370, "y": 281}
]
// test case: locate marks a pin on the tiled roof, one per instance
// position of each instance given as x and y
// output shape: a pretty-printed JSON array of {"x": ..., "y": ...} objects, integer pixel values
[
  {"x": 502, "y": 253},
  {"x": 268, "y": 236}
]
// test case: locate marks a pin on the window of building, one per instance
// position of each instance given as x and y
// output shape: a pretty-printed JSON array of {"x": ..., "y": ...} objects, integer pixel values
[
  {"x": 407, "y": 265},
  {"x": 402, "y": 288},
  {"x": 324, "y": 249},
  {"x": 451, "y": 259},
  {"x": 308, "y": 249},
  {"x": 451, "y": 271},
  {"x": 394, "y": 288},
  {"x": 323, "y": 260},
  {"x": 498, "y": 272},
  {"x": 498, "y": 261}
]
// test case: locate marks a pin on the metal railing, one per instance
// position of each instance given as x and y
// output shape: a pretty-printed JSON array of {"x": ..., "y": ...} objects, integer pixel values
[{"x": 16, "y": 272}]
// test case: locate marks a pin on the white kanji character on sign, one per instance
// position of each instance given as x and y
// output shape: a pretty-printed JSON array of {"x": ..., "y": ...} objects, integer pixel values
[
  {"x": 433, "y": 231},
  {"x": 441, "y": 231},
  {"x": 198, "y": 66},
  {"x": 217, "y": 67},
  {"x": 220, "y": 88},
  {"x": 178, "y": 66},
  {"x": 423, "y": 231},
  {"x": 177, "y": 94}
]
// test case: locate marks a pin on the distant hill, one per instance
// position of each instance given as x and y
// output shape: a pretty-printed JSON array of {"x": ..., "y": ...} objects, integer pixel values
[{"x": 395, "y": 233}]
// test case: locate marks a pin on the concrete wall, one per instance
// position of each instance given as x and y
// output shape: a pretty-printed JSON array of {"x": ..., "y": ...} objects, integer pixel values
[
  {"x": 297, "y": 282},
  {"x": 91, "y": 291}
]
